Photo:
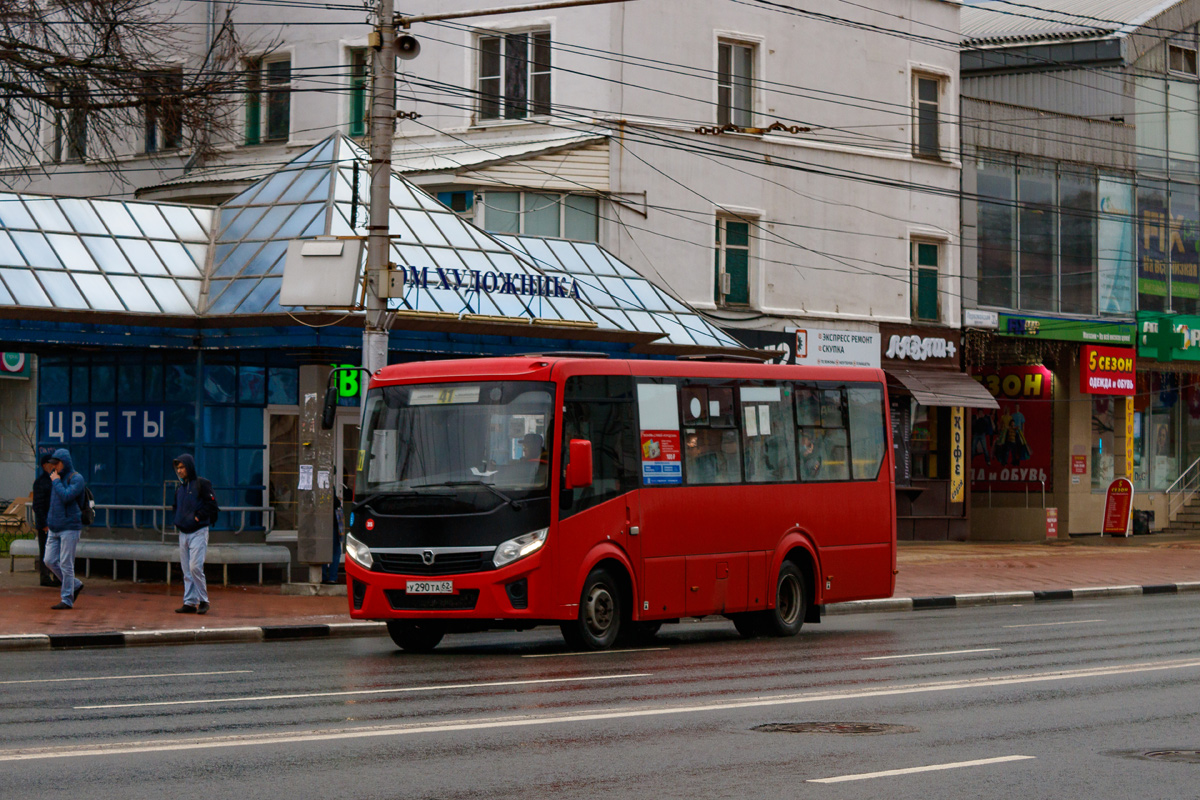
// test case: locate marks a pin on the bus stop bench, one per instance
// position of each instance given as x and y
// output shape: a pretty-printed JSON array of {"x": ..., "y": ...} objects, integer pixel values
[{"x": 223, "y": 554}]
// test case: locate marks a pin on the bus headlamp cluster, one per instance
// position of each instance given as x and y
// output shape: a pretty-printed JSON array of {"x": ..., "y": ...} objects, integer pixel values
[
  {"x": 359, "y": 552},
  {"x": 519, "y": 547}
]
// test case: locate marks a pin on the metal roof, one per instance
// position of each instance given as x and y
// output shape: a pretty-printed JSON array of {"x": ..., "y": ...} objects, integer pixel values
[
  {"x": 159, "y": 258},
  {"x": 997, "y": 22}
]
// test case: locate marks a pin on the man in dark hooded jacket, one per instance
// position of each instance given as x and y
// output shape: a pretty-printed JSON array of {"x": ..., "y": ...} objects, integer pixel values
[
  {"x": 43, "y": 487},
  {"x": 65, "y": 522},
  {"x": 195, "y": 509}
]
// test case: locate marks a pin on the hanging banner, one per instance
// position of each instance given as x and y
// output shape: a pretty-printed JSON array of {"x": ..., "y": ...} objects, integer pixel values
[
  {"x": 1114, "y": 245},
  {"x": 958, "y": 473},
  {"x": 1011, "y": 446}
]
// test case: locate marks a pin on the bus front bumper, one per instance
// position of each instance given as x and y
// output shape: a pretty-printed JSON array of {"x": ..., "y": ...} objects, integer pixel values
[{"x": 516, "y": 591}]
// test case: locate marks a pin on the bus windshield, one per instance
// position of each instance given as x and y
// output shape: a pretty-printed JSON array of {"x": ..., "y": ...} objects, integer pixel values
[{"x": 419, "y": 437}]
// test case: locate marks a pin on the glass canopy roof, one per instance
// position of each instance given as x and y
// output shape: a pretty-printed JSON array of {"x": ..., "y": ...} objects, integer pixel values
[{"x": 145, "y": 257}]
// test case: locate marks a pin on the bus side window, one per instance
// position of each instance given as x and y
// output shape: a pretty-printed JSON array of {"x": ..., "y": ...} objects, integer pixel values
[
  {"x": 768, "y": 434},
  {"x": 808, "y": 406},
  {"x": 824, "y": 444},
  {"x": 712, "y": 456},
  {"x": 867, "y": 434},
  {"x": 600, "y": 409}
]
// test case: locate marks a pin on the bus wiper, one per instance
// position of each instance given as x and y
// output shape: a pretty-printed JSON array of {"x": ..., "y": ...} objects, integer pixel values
[
  {"x": 516, "y": 504},
  {"x": 371, "y": 498}
]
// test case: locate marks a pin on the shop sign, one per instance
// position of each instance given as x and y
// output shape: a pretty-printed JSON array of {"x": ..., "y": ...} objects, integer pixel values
[
  {"x": 104, "y": 425},
  {"x": 958, "y": 443},
  {"x": 14, "y": 365},
  {"x": 1106, "y": 370},
  {"x": 1051, "y": 523},
  {"x": 835, "y": 348},
  {"x": 1178, "y": 342},
  {"x": 473, "y": 280},
  {"x": 1079, "y": 465},
  {"x": 921, "y": 345},
  {"x": 1118, "y": 503},
  {"x": 1010, "y": 446},
  {"x": 978, "y": 318},
  {"x": 1067, "y": 330}
]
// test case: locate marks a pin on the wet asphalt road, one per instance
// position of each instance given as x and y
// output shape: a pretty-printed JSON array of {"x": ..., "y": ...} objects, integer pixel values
[{"x": 1055, "y": 700}]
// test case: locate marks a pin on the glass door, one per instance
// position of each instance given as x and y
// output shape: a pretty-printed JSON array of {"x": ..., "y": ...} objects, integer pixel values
[
  {"x": 346, "y": 448},
  {"x": 283, "y": 467}
]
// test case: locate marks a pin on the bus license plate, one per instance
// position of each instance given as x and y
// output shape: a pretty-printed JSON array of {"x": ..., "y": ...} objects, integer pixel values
[{"x": 430, "y": 587}]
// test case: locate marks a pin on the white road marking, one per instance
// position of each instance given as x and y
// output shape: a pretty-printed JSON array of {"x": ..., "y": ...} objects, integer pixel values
[
  {"x": 595, "y": 652},
  {"x": 909, "y": 771},
  {"x": 527, "y": 720},
  {"x": 360, "y": 692},
  {"x": 1048, "y": 624},
  {"x": 132, "y": 677},
  {"x": 943, "y": 653}
]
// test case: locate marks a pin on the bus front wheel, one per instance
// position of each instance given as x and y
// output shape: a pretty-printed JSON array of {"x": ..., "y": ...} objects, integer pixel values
[
  {"x": 415, "y": 637},
  {"x": 599, "y": 622},
  {"x": 786, "y": 618}
]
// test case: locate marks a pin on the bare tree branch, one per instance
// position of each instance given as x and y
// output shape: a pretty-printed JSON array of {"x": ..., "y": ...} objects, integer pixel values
[{"x": 97, "y": 79}]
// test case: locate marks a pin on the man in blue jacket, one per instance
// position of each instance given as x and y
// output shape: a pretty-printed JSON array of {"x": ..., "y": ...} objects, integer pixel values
[
  {"x": 195, "y": 509},
  {"x": 64, "y": 522}
]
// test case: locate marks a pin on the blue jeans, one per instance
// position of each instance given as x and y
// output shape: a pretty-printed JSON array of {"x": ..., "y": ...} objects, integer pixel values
[
  {"x": 60, "y": 558},
  {"x": 192, "y": 549}
]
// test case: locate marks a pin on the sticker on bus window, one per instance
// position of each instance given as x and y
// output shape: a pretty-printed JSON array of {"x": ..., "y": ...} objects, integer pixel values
[
  {"x": 661, "y": 464},
  {"x": 444, "y": 396}
]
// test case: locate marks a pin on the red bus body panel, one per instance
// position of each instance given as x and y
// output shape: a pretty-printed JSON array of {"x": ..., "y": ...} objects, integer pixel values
[{"x": 698, "y": 550}]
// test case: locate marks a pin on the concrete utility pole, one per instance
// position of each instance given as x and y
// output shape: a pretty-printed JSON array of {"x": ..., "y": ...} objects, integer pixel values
[{"x": 383, "y": 133}]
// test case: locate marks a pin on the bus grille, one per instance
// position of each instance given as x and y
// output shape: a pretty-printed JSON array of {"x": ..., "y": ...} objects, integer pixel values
[
  {"x": 402, "y": 601},
  {"x": 445, "y": 564}
]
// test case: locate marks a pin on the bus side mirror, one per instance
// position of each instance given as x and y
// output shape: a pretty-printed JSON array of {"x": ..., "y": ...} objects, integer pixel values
[{"x": 579, "y": 468}]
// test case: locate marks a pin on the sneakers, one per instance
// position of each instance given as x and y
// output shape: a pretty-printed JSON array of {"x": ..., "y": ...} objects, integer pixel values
[
  {"x": 61, "y": 607},
  {"x": 75, "y": 595},
  {"x": 186, "y": 609},
  {"x": 203, "y": 607},
  {"x": 50, "y": 580}
]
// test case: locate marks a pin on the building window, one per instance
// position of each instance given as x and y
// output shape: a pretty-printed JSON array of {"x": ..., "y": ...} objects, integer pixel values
[
  {"x": 732, "y": 262},
  {"x": 461, "y": 203},
  {"x": 514, "y": 75},
  {"x": 164, "y": 122},
  {"x": 926, "y": 257},
  {"x": 735, "y": 84},
  {"x": 569, "y": 216},
  {"x": 926, "y": 120},
  {"x": 70, "y": 124},
  {"x": 268, "y": 100},
  {"x": 1181, "y": 59},
  {"x": 360, "y": 69}
]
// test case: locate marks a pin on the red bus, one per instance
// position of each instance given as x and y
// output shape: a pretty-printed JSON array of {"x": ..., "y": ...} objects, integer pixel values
[{"x": 610, "y": 496}]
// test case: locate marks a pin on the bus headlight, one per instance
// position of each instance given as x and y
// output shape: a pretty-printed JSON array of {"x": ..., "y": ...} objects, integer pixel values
[
  {"x": 519, "y": 547},
  {"x": 359, "y": 552}
]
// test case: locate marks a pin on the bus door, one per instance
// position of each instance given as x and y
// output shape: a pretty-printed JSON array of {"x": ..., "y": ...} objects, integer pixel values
[{"x": 600, "y": 408}]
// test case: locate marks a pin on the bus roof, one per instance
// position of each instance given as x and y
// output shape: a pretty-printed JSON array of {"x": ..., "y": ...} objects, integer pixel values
[{"x": 539, "y": 367}]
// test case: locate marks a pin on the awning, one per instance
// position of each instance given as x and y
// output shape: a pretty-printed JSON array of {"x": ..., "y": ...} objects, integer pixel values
[{"x": 935, "y": 387}]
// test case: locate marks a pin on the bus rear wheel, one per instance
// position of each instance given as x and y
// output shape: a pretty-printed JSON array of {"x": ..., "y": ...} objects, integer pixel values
[
  {"x": 791, "y": 599},
  {"x": 600, "y": 614},
  {"x": 415, "y": 637}
]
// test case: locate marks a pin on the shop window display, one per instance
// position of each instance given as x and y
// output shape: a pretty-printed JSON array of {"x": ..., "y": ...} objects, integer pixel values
[{"x": 1104, "y": 438}]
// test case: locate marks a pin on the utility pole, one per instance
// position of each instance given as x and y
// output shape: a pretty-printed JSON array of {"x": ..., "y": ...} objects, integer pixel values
[{"x": 383, "y": 132}]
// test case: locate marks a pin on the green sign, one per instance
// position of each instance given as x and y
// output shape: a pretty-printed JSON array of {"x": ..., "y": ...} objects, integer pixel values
[
  {"x": 347, "y": 380},
  {"x": 1169, "y": 337},
  {"x": 1089, "y": 331},
  {"x": 14, "y": 365}
]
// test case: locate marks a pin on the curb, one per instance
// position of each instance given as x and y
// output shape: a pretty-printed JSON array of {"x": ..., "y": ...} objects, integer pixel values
[
  {"x": 996, "y": 598},
  {"x": 278, "y": 633},
  {"x": 267, "y": 633}
]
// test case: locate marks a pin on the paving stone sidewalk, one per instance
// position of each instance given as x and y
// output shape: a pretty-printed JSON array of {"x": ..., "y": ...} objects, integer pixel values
[{"x": 926, "y": 570}]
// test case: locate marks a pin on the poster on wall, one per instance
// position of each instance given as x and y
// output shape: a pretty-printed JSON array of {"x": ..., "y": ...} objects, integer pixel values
[
  {"x": 1011, "y": 446},
  {"x": 1114, "y": 241}
]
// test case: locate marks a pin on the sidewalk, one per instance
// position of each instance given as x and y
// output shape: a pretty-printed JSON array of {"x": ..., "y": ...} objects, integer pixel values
[{"x": 927, "y": 570}]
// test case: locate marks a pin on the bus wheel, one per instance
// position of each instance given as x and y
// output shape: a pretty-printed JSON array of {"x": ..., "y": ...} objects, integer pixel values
[
  {"x": 599, "y": 620},
  {"x": 787, "y": 616},
  {"x": 415, "y": 637}
]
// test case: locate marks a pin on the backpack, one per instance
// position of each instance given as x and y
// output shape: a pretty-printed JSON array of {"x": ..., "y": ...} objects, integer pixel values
[
  {"x": 216, "y": 506},
  {"x": 87, "y": 507}
]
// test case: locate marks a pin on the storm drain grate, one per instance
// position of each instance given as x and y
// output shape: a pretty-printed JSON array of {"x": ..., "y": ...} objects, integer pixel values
[
  {"x": 840, "y": 728},
  {"x": 1178, "y": 756}
]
